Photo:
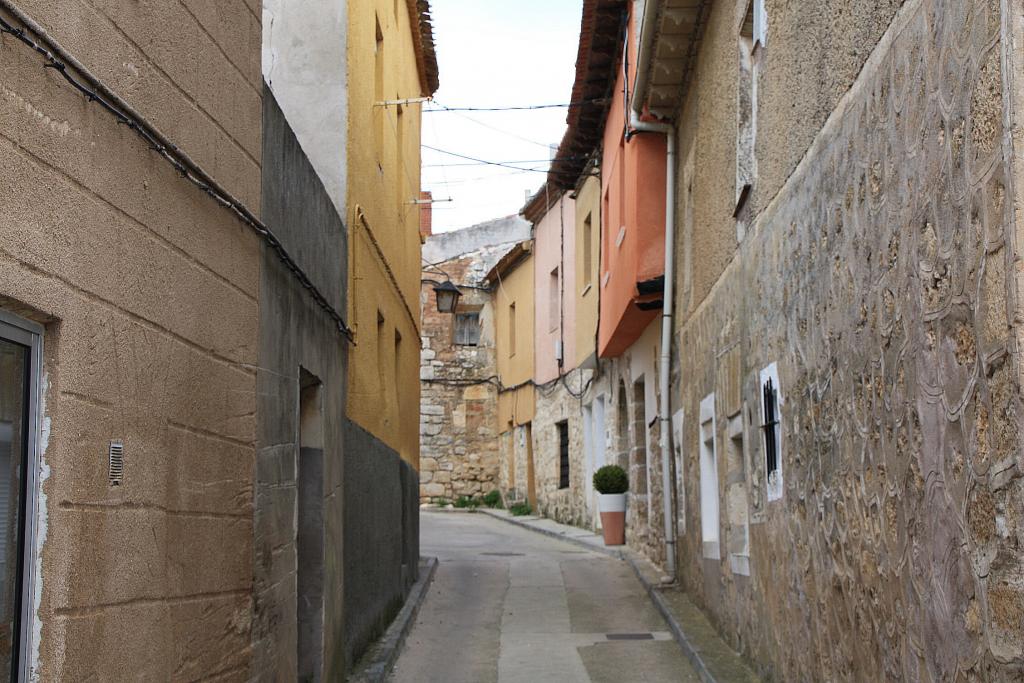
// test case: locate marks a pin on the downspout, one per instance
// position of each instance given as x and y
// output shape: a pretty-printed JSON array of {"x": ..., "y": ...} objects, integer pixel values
[{"x": 665, "y": 375}]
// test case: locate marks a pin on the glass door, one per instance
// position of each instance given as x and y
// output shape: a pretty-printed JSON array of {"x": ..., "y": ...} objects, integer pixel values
[{"x": 19, "y": 349}]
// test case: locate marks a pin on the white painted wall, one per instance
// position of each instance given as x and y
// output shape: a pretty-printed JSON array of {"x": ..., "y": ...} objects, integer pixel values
[{"x": 305, "y": 64}]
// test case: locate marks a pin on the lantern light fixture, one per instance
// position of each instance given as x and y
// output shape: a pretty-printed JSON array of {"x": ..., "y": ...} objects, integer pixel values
[{"x": 448, "y": 296}]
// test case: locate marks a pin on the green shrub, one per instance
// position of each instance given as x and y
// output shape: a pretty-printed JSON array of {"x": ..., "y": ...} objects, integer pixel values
[
  {"x": 493, "y": 499},
  {"x": 611, "y": 479},
  {"x": 441, "y": 502},
  {"x": 521, "y": 509},
  {"x": 464, "y": 502}
]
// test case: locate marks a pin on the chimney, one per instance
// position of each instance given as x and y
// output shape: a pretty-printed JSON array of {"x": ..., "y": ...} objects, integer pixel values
[{"x": 426, "y": 215}]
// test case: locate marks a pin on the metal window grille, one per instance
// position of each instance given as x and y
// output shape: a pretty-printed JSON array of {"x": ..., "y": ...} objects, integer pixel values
[
  {"x": 770, "y": 426},
  {"x": 563, "y": 452}
]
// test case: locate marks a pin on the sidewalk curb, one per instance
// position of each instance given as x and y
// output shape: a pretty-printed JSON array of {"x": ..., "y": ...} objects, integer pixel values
[
  {"x": 677, "y": 630},
  {"x": 523, "y": 522},
  {"x": 377, "y": 663}
]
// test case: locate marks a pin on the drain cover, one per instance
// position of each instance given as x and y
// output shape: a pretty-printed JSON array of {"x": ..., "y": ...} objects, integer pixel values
[
  {"x": 630, "y": 636},
  {"x": 505, "y": 554}
]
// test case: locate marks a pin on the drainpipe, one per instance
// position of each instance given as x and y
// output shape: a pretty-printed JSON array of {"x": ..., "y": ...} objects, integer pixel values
[{"x": 665, "y": 376}]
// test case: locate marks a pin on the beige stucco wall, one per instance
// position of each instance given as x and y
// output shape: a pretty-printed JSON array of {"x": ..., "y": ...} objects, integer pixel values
[
  {"x": 881, "y": 265},
  {"x": 148, "y": 289},
  {"x": 384, "y": 265}
]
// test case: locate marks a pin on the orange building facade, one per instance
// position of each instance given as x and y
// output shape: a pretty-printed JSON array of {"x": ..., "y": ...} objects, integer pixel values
[{"x": 632, "y": 222}]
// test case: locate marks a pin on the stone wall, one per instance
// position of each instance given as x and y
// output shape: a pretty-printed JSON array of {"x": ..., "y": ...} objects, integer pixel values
[
  {"x": 459, "y": 388},
  {"x": 557, "y": 402},
  {"x": 882, "y": 272}
]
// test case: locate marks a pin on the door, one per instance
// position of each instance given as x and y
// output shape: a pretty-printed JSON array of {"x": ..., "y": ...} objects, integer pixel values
[{"x": 20, "y": 345}]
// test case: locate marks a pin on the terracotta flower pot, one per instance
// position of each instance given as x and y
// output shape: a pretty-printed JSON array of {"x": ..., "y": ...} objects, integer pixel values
[{"x": 613, "y": 517}]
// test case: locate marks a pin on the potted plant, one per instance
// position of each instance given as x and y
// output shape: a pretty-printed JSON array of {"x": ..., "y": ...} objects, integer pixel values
[{"x": 612, "y": 483}]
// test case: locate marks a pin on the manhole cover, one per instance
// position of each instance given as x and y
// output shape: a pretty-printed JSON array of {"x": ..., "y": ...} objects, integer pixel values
[
  {"x": 630, "y": 636},
  {"x": 505, "y": 554}
]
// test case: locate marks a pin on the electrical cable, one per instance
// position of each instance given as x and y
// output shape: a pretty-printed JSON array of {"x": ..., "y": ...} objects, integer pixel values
[
  {"x": 567, "y": 105},
  {"x": 95, "y": 91},
  {"x": 497, "y": 163}
]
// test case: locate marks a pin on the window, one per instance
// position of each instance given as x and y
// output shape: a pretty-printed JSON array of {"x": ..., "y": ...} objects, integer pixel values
[
  {"x": 680, "y": 465},
  {"x": 638, "y": 474},
  {"x": 605, "y": 239},
  {"x": 554, "y": 302},
  {"x": 736, "y": 499},
  {"x": 379, "y": 111},
  {"x": 398, "y": 366},
  {"x": 467, "y": 329},
  {"x": 709, "y": 516},
  {"x": 752, "y": 37},
  {"x": 563, "y": 454},
  {"x": 771, "y": 425},
  {"x": 512, "y": 329},
  {"x": 20, "y": 354},
  {"x": 400, "y": 148},
  {"x": 381, "y": 356},
  {"x": 588, "y": 256}
]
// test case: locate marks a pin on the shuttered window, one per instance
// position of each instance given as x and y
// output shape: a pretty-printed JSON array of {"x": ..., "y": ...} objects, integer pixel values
[{"x": 467, "y": 329}]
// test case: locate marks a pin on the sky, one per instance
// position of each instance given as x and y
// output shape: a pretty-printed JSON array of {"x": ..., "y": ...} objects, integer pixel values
[{"x": 495, "y": 53}]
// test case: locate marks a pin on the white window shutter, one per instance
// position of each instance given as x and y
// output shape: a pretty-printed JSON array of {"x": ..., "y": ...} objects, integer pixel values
[{"x": 760, "y": 23}]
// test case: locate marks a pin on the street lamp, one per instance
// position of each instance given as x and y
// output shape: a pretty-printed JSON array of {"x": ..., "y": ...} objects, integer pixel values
[{"x": 447, "y": 297}]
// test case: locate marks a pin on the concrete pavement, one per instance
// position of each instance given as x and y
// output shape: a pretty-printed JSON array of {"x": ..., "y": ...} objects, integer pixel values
[{"x": 509, "y": 605}]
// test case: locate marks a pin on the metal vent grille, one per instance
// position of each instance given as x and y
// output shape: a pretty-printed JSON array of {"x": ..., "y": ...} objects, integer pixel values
[{"x": 115, "y": 466}]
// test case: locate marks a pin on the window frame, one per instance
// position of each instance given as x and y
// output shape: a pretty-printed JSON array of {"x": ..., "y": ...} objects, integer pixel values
[
  {"x": 775, "y": 488},
  {"x": 18, "y": 330},
  {"x": 459, "y": 315},
  {"x": 710, "y": 482},
  {"x": 564, "y": 455}
]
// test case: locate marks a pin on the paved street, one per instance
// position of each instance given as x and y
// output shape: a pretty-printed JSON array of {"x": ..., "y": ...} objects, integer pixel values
[{"x": 510, "y": 605}]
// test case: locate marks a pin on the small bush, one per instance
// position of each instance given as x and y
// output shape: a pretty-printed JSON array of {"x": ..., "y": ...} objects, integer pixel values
[
  {"x": 521, "y": 509},
  {"x": 493, "y": 499},
  {"x": 611, "y": 479},
  {"x": 464, "y": 502},
  {"x": 441, "y": 502}
]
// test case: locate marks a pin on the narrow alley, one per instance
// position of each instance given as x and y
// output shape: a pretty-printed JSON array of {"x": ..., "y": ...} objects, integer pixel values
[
  {"x": 454, "y": 341},
  {"x": 512, "y": 606}
]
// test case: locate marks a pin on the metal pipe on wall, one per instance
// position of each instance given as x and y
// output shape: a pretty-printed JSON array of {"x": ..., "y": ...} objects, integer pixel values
[{"x": 665, "y": 376}]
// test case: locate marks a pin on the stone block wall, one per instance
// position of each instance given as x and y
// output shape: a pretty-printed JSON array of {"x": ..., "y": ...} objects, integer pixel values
[
  {"x": 459, "y": 391},
  {"x": 883, "y": 270},
  {"x": 559, "y": 402}
]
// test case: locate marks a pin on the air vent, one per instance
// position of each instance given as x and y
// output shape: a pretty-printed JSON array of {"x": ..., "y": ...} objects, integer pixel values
[{"x": 116, "y": 463}]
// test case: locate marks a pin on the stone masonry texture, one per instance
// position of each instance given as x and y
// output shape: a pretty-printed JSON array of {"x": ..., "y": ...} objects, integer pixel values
[
  {"x": 459, "y": 391},
  {"x": 883, "y": 277}
]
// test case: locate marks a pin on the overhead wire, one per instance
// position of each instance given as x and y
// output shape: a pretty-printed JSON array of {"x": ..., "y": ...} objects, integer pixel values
[
  {"x": 438, "y": 107},
  {"x": 96, "y": 92}
]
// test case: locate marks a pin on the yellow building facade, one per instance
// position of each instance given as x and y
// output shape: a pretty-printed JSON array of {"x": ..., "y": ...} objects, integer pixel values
[
  {"x": 390, "y": 67},
  {"x": 512, "y": 280}
]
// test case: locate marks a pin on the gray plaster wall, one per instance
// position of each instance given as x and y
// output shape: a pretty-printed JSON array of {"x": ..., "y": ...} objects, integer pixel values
[
  {"x": 446, "y": 246},
  {"x": 381, "y": 532},
  {"x": 295, "y": 335},
  {"x": 305, "y": 45}
]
